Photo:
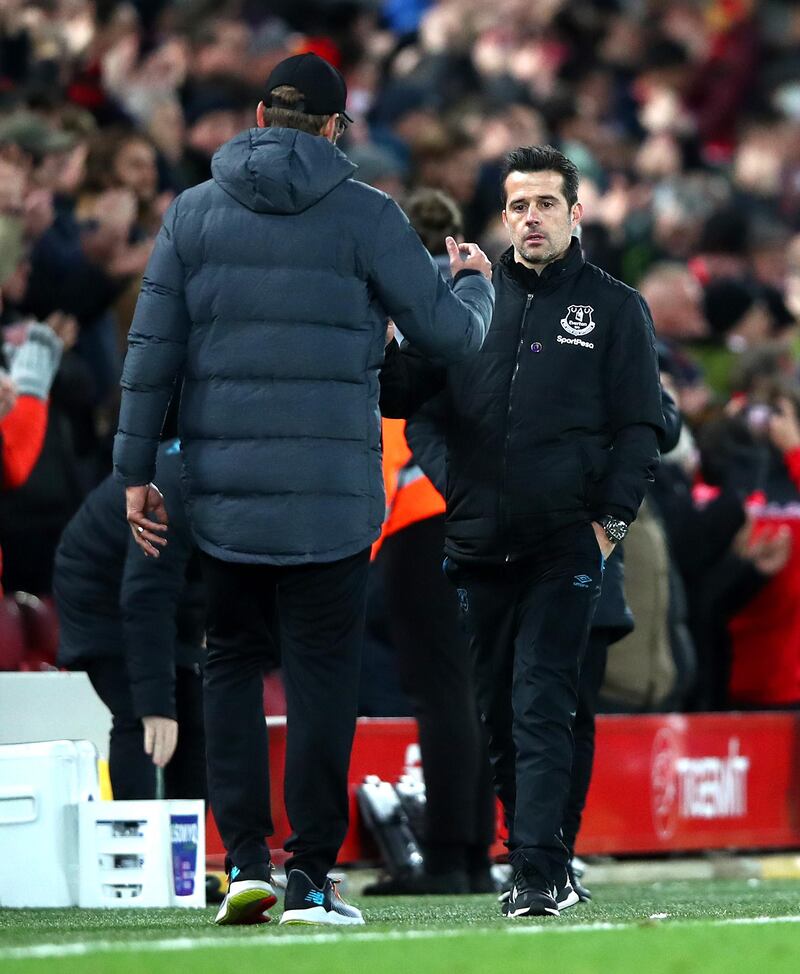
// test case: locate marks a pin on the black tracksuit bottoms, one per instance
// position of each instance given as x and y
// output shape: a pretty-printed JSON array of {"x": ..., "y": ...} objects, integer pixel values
[
  {"x": 321, "y": 622},
  {"x": 529, "y": 621},
  {"x": 592, "y": 672},
  {"x": 436, "y": 671}
]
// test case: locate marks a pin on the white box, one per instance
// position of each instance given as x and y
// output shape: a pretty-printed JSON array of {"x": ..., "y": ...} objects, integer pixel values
[
  {"x": 142, "y": 853},
  {"x": 41, "y": 786}
]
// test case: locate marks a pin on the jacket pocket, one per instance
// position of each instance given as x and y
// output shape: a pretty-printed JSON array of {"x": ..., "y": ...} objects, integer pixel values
[{"x": 547, "y": 480}]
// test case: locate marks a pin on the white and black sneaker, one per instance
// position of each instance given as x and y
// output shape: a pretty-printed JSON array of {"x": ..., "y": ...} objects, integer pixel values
[
  {"x": 565, "y": 894},
  {"x": 306, "y": 903},
  {"x": 531, "y": 896},
  {"x": 584, "y": 895},
  {"x": 250, "y": 894}
]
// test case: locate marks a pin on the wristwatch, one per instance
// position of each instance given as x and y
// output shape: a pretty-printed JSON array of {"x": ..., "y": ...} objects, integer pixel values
[{"x": 614, "y": 528}]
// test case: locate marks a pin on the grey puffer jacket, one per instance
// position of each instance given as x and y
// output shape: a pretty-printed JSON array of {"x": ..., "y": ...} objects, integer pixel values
[{"x": 270, "y": 286}]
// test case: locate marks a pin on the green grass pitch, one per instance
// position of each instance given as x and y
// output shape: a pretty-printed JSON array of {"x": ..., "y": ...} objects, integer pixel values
[{"x": 724, "y": 927}]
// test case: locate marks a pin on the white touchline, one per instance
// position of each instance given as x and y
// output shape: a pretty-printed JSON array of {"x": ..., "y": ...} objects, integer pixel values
[{"x": 223, "y": 943}]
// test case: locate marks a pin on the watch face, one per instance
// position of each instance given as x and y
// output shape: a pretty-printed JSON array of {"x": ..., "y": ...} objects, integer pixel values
[{"x": 615, "y": 530}]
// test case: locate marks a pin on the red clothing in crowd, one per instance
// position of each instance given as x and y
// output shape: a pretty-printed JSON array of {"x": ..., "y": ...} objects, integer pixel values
[
  {"x": 765, "y": 634},
  {"x": 21, "y": 439}
]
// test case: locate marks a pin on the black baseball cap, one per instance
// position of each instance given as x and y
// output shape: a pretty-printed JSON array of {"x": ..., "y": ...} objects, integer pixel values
[{"x": 323, "y": 87}]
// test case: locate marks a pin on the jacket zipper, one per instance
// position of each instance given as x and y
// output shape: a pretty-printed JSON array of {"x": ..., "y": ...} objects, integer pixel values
[{"x": 503, "y": 494}]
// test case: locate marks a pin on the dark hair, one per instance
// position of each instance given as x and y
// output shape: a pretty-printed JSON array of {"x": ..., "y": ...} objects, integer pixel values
[
  {"x": 541, "y": 158},
  {"x": 283, "y": 115},
  {"x": 104, "y": 147},
  {"x": 434, "y": 215}
]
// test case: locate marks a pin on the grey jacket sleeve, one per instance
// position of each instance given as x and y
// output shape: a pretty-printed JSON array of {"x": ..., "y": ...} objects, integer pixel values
[
  {"x": 444, "y": 323},
  {"x": 156, "y": 351}
]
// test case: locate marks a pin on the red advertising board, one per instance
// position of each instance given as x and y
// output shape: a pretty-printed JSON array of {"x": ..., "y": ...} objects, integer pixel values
[
  {"x": 706, "y": 781},
  {"x": 662, "y": 783}
]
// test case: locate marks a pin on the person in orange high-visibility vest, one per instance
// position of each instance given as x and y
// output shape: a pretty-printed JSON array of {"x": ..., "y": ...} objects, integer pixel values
[{"x": 433, "y": 652}]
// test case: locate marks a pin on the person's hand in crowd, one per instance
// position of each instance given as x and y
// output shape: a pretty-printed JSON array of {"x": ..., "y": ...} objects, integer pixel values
[
  {"x": 614, "y": 205},
  {"x": 467, "y": 257},
  {"x": 160, "y": 738},
  {"x": 119, "y": 59},
  {"x": 784, "y": 426},
  {"x": 147, "y": 517},
  {"x": 39, "y": 213},
  {"x": 116, "y": 209},
  {"x": 390, "y": 329},
  {"x": 165, "y": 68},
  {"x": 8, "y": 394},
  {"x": 770, "y": 553},
  {"x": 767, "y": 550},
  {"x": 662, "y": 111},
  {"x": 36, "y": 360},
  {"x": 13, "y": 186},
  {"x": 65, "y": 326},
  {"x": 130, "y": 261}
]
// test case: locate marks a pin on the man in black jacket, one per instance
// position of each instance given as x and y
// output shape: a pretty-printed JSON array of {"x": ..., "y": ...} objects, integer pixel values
[
  {"x": 270, "y": 286},
  {"x": 551, "y": 441},
  {"x": 137, "y": 629}
]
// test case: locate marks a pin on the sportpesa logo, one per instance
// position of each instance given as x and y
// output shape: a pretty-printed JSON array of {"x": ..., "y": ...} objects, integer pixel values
[{"x": 574, "y": 341}]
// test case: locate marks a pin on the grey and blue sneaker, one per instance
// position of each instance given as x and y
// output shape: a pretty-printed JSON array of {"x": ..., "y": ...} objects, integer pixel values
[
  {"x": 250, "y": 895},
  {"x": 305, "y": 903}
]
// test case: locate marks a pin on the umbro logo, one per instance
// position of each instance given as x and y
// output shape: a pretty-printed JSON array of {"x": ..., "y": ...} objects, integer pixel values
[{"x": 581, "y": 581}]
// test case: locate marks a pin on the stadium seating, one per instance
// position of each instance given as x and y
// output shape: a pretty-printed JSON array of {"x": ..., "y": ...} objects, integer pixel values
[
  {"x": 40, "y": 626},
  {"x": 28, "y": 633},
  {"x": 12, "y": 635}
]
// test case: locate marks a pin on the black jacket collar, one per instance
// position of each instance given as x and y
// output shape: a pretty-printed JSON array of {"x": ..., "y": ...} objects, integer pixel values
[{"x": 551, "y": 276}]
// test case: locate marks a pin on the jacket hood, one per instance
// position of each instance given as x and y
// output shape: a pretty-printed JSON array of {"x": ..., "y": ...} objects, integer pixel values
[{"x": 277, "y": 170}]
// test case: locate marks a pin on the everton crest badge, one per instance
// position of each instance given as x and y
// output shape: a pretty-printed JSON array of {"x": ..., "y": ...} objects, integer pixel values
[{"x": 578, "y": 320}]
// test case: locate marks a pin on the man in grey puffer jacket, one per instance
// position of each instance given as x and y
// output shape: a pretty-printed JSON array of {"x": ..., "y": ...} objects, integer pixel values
[{"x": 270, "y": 287}]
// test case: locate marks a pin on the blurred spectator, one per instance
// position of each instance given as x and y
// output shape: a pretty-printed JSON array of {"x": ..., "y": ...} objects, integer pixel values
[
  {"x": 29, "y": 358},
  {"x": 754, "y": 616},
  {"x": 23, "y": 389},
  {"x": 738, "y": 319},
  {"x": 640, "y": 674},
  {"x": 137, "y": 629}
]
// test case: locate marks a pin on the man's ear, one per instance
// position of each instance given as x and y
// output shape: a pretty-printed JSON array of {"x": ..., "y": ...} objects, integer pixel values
[
  {"x": 577, "y": 214},
  {"x": 330, "y": 130},
  {"x": 503, "y": 215},
  {"x": 261, "y": 116}
]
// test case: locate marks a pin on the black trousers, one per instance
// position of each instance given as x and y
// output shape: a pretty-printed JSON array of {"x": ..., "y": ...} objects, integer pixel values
[
  {"x": 583, "y": 732},
  {"x": 529, "y": 623},
  {"x": 436, "y": 672},
  {"x": 322, "y": 608},
  {"x": 132, "y": 772}
]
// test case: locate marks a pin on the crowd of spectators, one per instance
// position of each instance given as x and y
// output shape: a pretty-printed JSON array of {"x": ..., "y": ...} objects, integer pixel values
[{"x": 684, "y": 119}]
